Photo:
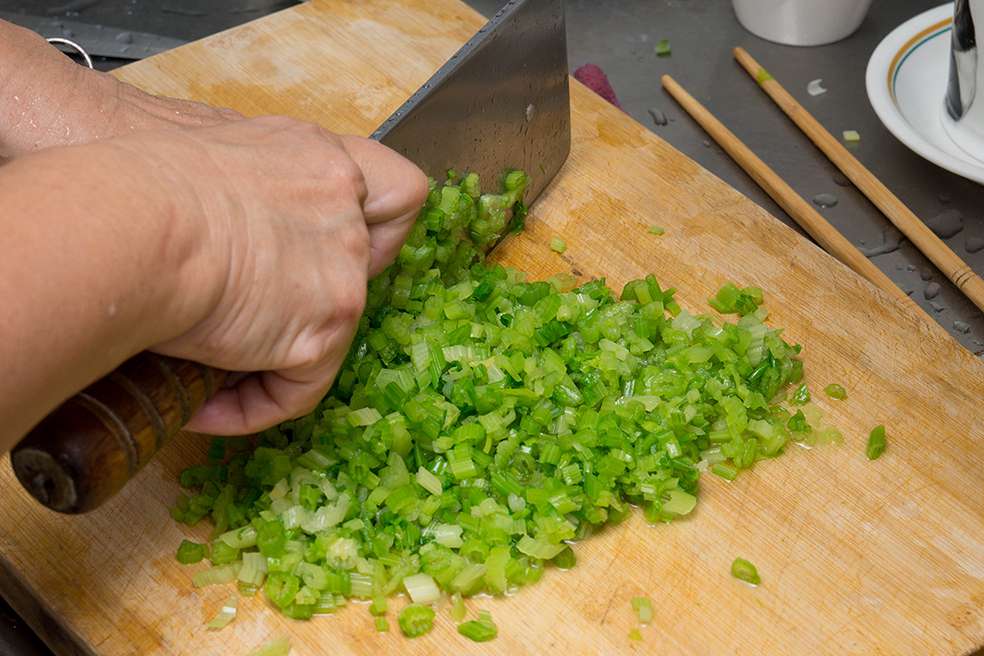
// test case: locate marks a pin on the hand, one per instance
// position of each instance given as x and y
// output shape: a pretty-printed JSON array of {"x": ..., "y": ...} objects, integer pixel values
[
  {"x": 295, "y": 219},
  {"x": 49, "y": 100}
]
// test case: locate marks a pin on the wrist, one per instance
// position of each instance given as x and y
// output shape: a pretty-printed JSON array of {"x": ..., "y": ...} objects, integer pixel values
[{"x": 48, "y": 100}]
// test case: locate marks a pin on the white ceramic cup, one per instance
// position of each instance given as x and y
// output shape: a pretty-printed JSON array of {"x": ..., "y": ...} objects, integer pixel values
[
  {"x": 801, "y": 22},
  {"x": 963, "y": 107}
]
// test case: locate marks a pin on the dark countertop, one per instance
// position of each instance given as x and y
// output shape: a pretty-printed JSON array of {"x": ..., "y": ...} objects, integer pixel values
[{"x": 619, "y": 36}]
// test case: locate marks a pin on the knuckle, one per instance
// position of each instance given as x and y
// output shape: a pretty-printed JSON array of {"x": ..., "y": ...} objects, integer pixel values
[{"x": 350, "y": 302}]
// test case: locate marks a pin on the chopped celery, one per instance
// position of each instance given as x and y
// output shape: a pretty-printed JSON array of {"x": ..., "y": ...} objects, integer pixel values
[
  {"x": 382, "y": 624},
  {"x": 663, "y": 48},
  {"x": 745, "y": 571},
  {"x": 643, "y": 608},
  {"x": 225, "y": 615},
  {"x": 190, "y": 552},
  {"x": 558, "y": 245},
  {"x": 835, "y": 391},
  {"x": 657, "y": 230},
  {"x": 276, "y": 647},
  {"x": 480, "y": 630},
  {"x": 416, "y": 620},
  {"x": 852, "y": 136},
  {"x": 482, "y": 423},
  {"x": 635, "y": 634},
  {"x": 876, "y": 443}
]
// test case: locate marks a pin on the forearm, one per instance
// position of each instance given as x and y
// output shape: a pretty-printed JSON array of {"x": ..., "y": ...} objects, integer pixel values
[{"x": 92, "y": 262}]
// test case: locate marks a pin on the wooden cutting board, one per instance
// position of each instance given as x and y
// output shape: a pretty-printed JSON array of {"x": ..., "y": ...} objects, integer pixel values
[{"x": 856, "y": 557}]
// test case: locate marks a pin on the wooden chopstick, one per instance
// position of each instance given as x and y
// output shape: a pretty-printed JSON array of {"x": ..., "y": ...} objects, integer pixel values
[
  {"x": 954, "y": 268},
  {"x": 802, "y": 212}
]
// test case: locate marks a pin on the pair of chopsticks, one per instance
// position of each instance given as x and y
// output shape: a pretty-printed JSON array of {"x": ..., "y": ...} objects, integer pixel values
[{"x": 803, "y": 213}]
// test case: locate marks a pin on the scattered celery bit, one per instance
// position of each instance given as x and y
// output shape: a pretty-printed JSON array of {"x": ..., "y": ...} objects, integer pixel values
[
  {"x": 378, "y": 606},
  {"x": 190, "y": 552},
  {"x": 643, "y": 608},
  {"x": 382, "y": 624},
  {"x": 558, "y": 245},
  {"x": 635, "y": 634},
  {"x": 724, "y": 471},
  {"x": 835, "y": 391},
  {"x": 481, "y": 630},
  {"x": 762, "y": 76},
  {"x": 457, "y": 607},
  {"x": 225, "y": 615},
  {"x": 876, "y": 443},
  {"x": 276, "y": 647},
  {"x": 663, "y": 48},
  {"x": 802, "y": 395},
  {"x": 852, "y": 136},
  {"x": 732, "y": 300},
  {"x": 416, "y": 620},
  {"x": 657, "y": 230},
  {"x": 745, "y": 571}
]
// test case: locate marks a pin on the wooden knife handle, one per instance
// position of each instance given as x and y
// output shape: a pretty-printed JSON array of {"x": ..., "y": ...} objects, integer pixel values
[{"x": 86, "y": 450}]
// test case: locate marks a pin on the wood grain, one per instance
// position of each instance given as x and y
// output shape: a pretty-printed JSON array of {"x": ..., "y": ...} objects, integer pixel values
[
  {"x": 952, "y": 266},
  {"x": 856, "y": 557}
]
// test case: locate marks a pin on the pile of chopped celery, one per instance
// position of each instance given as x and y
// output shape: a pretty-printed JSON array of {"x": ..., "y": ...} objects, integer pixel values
[{"x": 481, "y": 422}]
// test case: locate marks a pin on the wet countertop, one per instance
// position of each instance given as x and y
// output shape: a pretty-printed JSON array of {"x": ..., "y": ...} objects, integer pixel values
[{"x": 620, "y": 36}]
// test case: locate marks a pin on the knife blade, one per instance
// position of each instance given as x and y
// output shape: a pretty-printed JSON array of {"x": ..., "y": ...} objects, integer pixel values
[{"x": 501, "y": 102}]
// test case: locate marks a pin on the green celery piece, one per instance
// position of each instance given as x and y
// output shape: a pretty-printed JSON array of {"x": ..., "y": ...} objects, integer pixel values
[
  {"x": 663, "y": 48},
  {"x": 416, "y": 620},
  {"x": 190, "y": 552},
  {"x": 876, "y": 443},
  {"x": 835, "y": 391},
  {"x": 744, "y": 570},
  {"x": 480, "y": 630}
]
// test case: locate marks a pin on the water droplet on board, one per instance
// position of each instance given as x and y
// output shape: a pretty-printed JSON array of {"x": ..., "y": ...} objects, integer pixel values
[
  {"x": 936, "y": 306},
  {"x": 840, "y": 179},
  {"x": 925, "y": 274},
  {"x": 946, "y": 224},
  {"x": 974, "y": 244},
  {"x": 891, "y": 239},
  {"x": 961, "y": 326},
  {"x": 825, "y": 200},
  {"x": 932, "y": 290}
]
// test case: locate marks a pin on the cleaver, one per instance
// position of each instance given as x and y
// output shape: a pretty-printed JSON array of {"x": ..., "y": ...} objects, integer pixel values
[{"x": 501, "y": 102}]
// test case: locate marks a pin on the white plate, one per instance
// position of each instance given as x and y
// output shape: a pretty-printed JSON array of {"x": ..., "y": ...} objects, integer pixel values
[{"x": 906, "y": 81}]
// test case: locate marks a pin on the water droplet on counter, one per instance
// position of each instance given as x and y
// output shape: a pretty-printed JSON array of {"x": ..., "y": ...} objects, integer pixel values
[
  {"x": 932, "y": 290},
  {"x": 961, "y": 326},
  {"x": 910, "y": 267},
  {"x": 925, "y": 274},
  {"x": 974, "y": 244},
  {"x": 946, "y": 224},
  {"x": 124, "y": 37},
  {"x": 825, "y": 200},
  {"x": 944, "y": 197},
  {"x": 936, "y": 306},
  {"x": 530, "y": 112},
  {"x": 68, "y": 33},
  {"x": 840, "y": 179},
  {"x": 707, "y": 144},
  {"x": 891, "y": 239},
  {"x": 899, "y": 267}
]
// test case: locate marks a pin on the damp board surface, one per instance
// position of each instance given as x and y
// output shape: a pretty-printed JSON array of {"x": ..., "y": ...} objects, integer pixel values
[{"x": 856, "y": 557}]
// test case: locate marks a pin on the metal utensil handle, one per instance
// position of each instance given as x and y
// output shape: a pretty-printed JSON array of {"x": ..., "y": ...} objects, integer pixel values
[{"x": 86, "y": 450}]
